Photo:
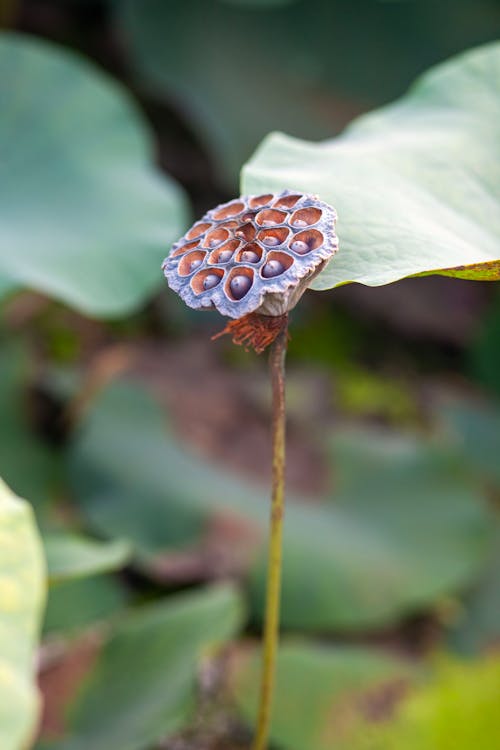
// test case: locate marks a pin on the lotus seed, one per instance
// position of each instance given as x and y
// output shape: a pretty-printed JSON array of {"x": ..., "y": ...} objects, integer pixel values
[
  {"x": 240, "y": 285},
  {"x": 250, "y": 256},
  {"x": 272, "y": 268},
  {"x": 300, "y": 247},
  {"x": 300, "y": 223},
  {"x": 270, "y": 240},
  {"x": 224, "y": 256},
  {"x": 194, "y": 264},
  {"x": 210, "y": 281}
]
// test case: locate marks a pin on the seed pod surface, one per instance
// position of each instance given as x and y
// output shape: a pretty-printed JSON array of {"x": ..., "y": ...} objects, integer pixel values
[{"x": 286, "y": 237}]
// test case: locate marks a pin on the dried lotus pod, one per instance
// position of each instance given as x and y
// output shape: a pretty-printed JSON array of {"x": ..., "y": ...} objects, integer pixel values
[{"x": 255, "y": 254}]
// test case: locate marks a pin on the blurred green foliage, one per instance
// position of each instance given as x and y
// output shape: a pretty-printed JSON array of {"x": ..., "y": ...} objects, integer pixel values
[
  {"x": 320, "y": 691},
  {"x": 239, "y": 70},
  {"x": 360, "y": 699},
  {"x": 401, "y": 528},
  {"x": 142, "y": 685},
  {"x": 485, "y": 353},
  {"x": 100, "y": 217}
]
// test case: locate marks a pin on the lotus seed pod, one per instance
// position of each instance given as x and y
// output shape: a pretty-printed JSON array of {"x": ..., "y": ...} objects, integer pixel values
[{"x": 257, "y": 253}]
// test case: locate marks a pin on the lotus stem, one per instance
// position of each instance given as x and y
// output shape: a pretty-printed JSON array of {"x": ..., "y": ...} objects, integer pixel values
[{"x": 272, "y": 613}]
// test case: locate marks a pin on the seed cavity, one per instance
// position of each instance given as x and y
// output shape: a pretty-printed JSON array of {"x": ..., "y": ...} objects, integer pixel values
[
  {"x": 306, "y": 217},
  {"x": 215, "y": 237},
  {"x": 190, "y": 262},
  {"x": 304, "y": 242},
  {"x": 239, "y": 282},
  {"x": 224, "y": 253},
  {"x": 270, "y": 217},
  {"x": 287, "y": 201},
  {"x": 276, "y": 263},
  {"x": 197, "y": 230},
  {"x": 184, "y": 249},
  {"x": 260, "y": 200},
  {"x": 278, "y": 235},
  {"x": 206, "y": 279},
  {"x": 230, "y": 209}
]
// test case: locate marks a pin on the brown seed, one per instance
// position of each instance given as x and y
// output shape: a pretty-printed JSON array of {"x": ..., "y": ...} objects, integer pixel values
[
  {"x": 272, "y": 268},
  {"x": 240, "y": 285}
]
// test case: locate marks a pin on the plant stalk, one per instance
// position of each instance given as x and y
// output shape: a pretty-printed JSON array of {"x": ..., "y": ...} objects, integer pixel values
[{"x": 272, "y": 614}]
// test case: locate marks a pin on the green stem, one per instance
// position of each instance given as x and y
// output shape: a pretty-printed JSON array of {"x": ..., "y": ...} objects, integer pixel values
[{"x": 272, "y": 613}]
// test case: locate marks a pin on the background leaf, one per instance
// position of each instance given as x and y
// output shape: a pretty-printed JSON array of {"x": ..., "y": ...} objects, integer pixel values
[
  {"x": 416, "y": 184},
  {"x": 357, "y": 698},
  {"x": 22, "y": 595},
  {"x": 280, "y": 77},
  {"x": 71, "y": 556},
  {"x": 458, "y": 709},
  {"x": 100, "y": 218},
  {"x": 323, "y": 693},
  {"x": 77, "y": 603},
  {"x": 161, "y": 646},
  {"x": 402, "y": 527}
]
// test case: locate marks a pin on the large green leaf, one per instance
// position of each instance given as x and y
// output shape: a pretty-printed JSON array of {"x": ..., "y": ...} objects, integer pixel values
[
  {"x": 75, "y": 603},
  {"x": 74, "y": 556},
  {"x": 475, "y": 428},
  {"x": 416, "y": 184},
  {"x": 77, "y": 158},
  {"x": 323, "y": 694},
  {"x": 402, "y": 528},
  {"x": 22, "y": 595},
  {"x": 477, "y": 626},
  {"x": 143, "y": 685}
]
